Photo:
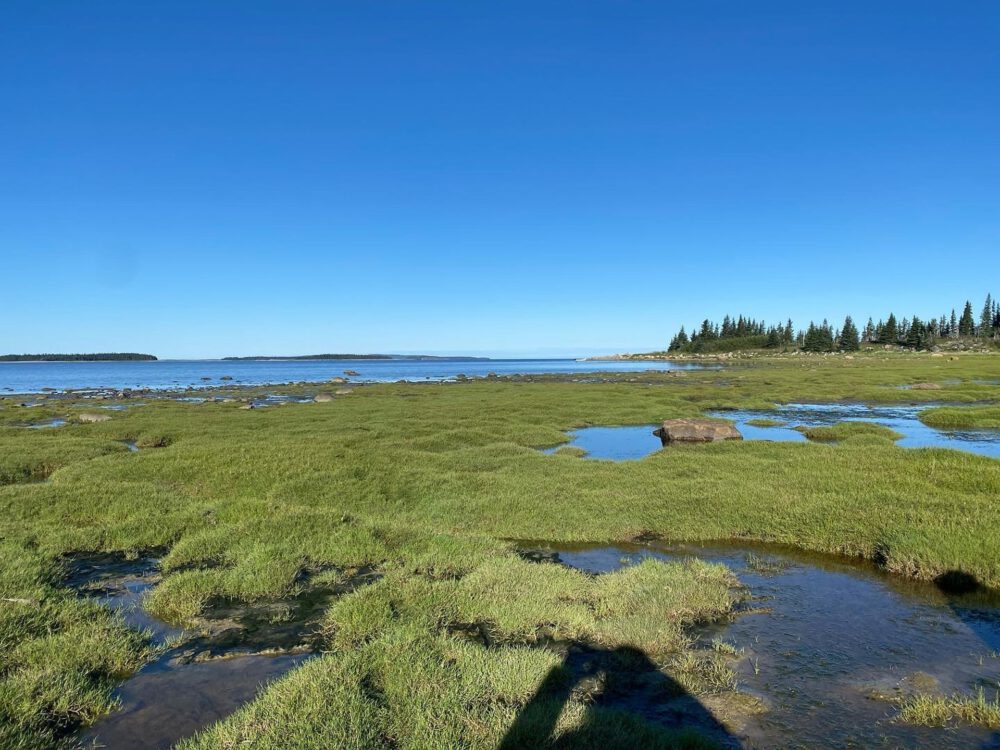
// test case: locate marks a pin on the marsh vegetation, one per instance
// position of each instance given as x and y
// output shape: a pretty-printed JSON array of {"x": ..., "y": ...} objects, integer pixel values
[{"x": 457, "y": 638}]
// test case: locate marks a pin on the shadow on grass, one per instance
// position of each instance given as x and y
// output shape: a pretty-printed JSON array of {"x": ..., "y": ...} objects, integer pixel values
[{"x": 633, "y": 705}]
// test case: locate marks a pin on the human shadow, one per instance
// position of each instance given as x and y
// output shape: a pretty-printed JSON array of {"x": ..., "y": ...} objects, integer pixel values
[{"x": 632, "y": 704}]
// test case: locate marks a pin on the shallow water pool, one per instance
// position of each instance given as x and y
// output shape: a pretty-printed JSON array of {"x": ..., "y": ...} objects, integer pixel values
[{"x": 829, "y": 645}]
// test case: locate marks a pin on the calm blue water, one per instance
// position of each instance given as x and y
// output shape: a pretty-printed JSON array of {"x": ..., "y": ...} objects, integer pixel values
[
  {"x": 614, "y": 443},
  {"x": 631, "y": 443},
  {"x": 32, "y": 377},
  {"x": 902, "y": 419}
]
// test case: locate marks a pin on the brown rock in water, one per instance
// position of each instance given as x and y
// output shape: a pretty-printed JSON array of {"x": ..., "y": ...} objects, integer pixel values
[
  {"x": 696, "y": 431},
  {"x": 925, "y": 387},
  {"x": 352, "y": 373},
  {"x": 88, "y": 417}
]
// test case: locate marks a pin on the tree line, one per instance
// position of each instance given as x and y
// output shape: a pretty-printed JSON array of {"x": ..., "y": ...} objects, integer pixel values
[
  {"x": 100, "y": 357},
  {"x": 914, "y": 333}
]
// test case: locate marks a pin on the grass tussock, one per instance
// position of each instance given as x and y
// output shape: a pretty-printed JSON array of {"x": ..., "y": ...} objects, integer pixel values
[
  {"x": 766, "y": 422},
  {"x": 966, "y": 417},
  {"x": 848, "y": 431},
  {"x": 937, "y": 711}
]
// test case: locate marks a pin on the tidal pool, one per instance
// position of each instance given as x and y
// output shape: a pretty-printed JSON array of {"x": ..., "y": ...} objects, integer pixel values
[
  {"x": 45, "y": 425},
  {"x": 828, "y": 645},
  {"x": 628, "y": 443},
  {"x": 902, "y": 419},
  {"x": 170, "y": 698},
  {"x": 613, "y": 443}
]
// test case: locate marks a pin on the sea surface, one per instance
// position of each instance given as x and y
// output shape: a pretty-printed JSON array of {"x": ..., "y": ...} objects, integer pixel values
[{"x": 170, "y": 374}]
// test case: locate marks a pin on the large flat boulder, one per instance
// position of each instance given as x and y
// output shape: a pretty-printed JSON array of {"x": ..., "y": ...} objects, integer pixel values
[{"x": 696, "y": 431}]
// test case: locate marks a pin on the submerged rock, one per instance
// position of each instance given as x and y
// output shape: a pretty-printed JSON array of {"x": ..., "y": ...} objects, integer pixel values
[
  {"x": 696, "y": 431},
  {"x": 352, "y": 373}
]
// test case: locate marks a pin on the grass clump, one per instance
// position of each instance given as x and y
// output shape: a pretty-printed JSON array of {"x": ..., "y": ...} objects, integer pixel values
[
  {"x": 966, "y": 417},
  {"x": 60, "y": 655},
  {"x": 412, "y": 689},
  {"x": 766, "y": 422},
  {"x": 938, "y": 711},
  {"x": 573, "y": 451},
  {"x": 848, "y": 430}
]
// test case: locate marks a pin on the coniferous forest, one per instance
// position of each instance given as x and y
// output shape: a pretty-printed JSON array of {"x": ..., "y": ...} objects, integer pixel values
[{"x": 743, "y": 332}]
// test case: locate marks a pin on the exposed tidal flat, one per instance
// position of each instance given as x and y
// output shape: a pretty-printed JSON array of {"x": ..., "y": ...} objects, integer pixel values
[{"x": 373, "y": 535}]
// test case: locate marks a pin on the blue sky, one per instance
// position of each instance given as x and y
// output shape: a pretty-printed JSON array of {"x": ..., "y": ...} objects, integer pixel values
[{"x": 225, "y": 178}]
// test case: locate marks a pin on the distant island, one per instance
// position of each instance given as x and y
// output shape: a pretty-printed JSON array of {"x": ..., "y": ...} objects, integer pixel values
[
  {"x": 419, "y": 357},
  {"x": 100, "y": 357}
]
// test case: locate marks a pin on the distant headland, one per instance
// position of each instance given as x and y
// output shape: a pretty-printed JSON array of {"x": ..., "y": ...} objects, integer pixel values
[
  {"x": 418, "y": 357},
  {"x": 99, "y": 357}
]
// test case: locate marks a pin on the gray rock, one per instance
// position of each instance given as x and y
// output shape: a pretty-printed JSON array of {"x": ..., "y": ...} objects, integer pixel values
[
  {"x": 322, "y": 398},
  {"x": 696, "y": 431}
]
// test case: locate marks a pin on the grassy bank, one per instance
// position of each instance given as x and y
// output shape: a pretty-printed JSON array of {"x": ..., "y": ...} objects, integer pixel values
[{"x": 424, "y": 482}]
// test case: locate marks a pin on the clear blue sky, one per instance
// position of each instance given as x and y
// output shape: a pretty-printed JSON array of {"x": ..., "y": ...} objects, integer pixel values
[{"x": 215, "y": 178}]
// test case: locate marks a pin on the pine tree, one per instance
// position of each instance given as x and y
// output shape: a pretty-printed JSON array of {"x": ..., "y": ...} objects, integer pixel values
[
  {"x": 826, "y": 337},
  {"x": 773, "y": 339},
  {"x": 915, "y": 334},
  {"x": 890, "y": 332},
  {"x": 810, "y": 342},
  {"x": 869, "y": 335},
  {"x": 849, "y": 340},
  {"x": 986, "y": 317},
  {"x": 953, "y": 325},
  {"x": 967, "y": 325}
]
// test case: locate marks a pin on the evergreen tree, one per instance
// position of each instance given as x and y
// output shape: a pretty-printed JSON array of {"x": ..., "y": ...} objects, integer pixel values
[
  {"x": 849, "y": 340},
  {"x": 967, "y": 325},
  {"x": 810, "y": 342},
  {"x": 986, "y": 317},
  {"x": 953, "y": 324},
  {"x": 890, "y": 332},
  {"x": 869, "y": 335},
  {"x": 773, "y": 339},
  {"x": 916, "y": 336}
]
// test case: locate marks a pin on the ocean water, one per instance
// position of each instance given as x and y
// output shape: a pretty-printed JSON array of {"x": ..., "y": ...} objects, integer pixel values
[{"x": 32, "y": 377}]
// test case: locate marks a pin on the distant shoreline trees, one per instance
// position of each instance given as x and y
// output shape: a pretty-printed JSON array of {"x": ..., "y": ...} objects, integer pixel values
[
  {"x": 100, "y": 357},
  {"x": 913, "y": 333}
]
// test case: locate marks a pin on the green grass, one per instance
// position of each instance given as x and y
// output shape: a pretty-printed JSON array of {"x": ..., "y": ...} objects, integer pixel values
[
  {"x": 968, "y": 417},
  {"x": 848, "y": 430},
  {"x": 765, "y": 422},
  {"x": 425, "y": 482},
  {"x": 937, "y": 711}
]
